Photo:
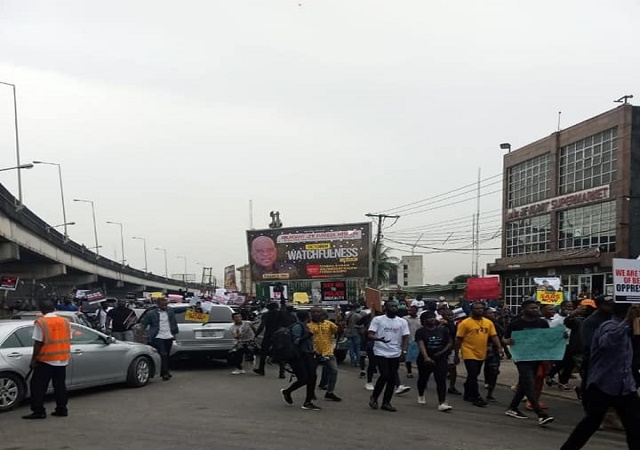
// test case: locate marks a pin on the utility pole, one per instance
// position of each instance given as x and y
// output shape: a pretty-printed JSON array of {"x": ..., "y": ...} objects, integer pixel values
[{"x": 376, "y": 248}]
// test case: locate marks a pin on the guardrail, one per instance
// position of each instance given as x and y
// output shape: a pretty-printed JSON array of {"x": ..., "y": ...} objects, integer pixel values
[{"x": 29, "y": 220}]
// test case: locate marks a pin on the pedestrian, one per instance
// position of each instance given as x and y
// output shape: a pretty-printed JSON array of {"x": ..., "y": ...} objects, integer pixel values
[
  {"x": 120, "y": 320},
  {"x": 434, "y": 342},
  {"x": 324, "y": 332},
  {"x": 101, "y": 317},
  {"x": 492, "y": 363},
  {"x": 472, "y": 339},
  {"x": 244, "y": 337},
  {"x": 448, "y": 321},
  {"x": 610, "y": 382},
  {"x": 390, "y": 335},
  {"x": 526, "y": 369},
  {"x": 271, "y": 320},
  {"x": 353, "y": 333},
  {"x": 304, "y": 365},
  {"x": 163, "y": 328},
  {"x": 604, "y": 311},
  {"x": 414, "y": 325},
  {"x": 49, "y": 360},
  {"x": 365, "y": 321},
  {"x": 573, "y": 318}
]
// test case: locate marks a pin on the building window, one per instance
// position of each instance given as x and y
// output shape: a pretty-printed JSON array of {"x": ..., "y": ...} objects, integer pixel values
[
  {"x": 528, "y": 182},
  {"x": 516, "y": 288},
  {"x": 591, "y": 226},
  {"x": 589, "y": 162},
  {"x": 526, "y": 236},
  {"x": 406, "y": 275},
  {"x": 406, "y": 283},
  {"x": 405, "y": 267}
]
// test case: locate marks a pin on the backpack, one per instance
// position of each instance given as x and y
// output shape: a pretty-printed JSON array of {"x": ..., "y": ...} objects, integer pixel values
[{"x": 283, "y": 349}]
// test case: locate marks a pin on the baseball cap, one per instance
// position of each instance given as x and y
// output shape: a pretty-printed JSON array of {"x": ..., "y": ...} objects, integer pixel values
[
  {"x": 527, "y": 301},
  {"x": 604, "y": 300},
  {"x": 588, "y": 302},
  {"x": 393, "y": 302}
]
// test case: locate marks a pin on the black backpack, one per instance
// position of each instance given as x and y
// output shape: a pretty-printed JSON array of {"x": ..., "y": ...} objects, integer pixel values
[{"x": 283, "y": 349}]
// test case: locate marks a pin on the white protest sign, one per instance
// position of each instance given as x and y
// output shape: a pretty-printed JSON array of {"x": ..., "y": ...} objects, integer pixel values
[{"x": 626, "y": 280}]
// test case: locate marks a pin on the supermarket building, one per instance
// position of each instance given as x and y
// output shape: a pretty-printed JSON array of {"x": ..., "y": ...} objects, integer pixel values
[{"x": 571, "y": 203}]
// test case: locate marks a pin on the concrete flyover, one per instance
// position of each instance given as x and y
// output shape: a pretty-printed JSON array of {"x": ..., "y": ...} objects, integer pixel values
[{"x": 40, "y": 255}]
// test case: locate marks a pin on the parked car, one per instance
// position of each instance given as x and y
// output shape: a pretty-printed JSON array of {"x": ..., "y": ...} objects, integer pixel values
[
  {"x": 72, "y": 316},
  {"x": 211, "y": 339},
  {"x": 96, "y": 359}
]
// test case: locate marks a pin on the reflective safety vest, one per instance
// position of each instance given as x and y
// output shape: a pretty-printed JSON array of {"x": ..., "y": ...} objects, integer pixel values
[{"x": 56, "y": 332}]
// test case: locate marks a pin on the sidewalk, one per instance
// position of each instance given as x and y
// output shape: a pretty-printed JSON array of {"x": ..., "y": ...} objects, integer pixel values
[{"x": 509, "y": 377}]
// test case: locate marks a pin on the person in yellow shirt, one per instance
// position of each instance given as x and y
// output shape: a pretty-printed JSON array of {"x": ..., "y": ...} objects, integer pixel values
[
  {"x": 324, "y": 332},
  {"x": 472, "y": 338}
]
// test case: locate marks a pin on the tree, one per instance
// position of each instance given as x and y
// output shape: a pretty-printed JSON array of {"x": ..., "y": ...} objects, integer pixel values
[
  {"x": 386, "y": 264},
  {"x": 460, "y": 279}
]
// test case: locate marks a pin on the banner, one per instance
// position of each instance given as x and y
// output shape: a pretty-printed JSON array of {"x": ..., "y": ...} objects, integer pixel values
[
  {"x": 373, "y": 299},
  {"x": 548, "y": 290},
  {"x": 538, "y": 344},
  {"x": 485, "y": 288},
  {"x": 192, "y": 316},
  {"x": 316, "y": 252},
  {"x": 230, "y": 278},
  {"x": 278, "y": 292},
  {"x": 334, "y": 292},
  {"x": 8, "y": 283},
  {"x": 94, "y": 296},
  {"x": 626, "y": 280}
]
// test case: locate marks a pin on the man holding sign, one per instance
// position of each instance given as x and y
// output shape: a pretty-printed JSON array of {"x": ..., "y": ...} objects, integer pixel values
[{"x": 526, "y": 369}]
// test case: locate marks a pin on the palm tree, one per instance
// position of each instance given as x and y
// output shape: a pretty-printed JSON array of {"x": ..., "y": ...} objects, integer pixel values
[{"x": 386, "y": 264}]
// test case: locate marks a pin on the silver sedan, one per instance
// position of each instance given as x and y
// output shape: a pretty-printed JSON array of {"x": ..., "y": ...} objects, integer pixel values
[{"x": 96, "y": 359}]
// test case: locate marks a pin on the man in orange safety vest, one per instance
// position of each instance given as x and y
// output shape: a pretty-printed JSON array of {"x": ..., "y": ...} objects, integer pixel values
[{"x": 51, "y": 352}]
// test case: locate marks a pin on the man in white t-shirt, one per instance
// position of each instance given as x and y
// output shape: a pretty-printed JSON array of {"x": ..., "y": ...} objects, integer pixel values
[{"x": 390, "y": 335}]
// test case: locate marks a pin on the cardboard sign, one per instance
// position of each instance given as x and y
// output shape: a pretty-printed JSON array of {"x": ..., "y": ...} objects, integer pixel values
[
  {"x": 548, "y": 290},
  {"x": 333, "y": 292},
  {"x": 192, "y": 316},
  {"x": 483, "y": 288},
  {"x": 8, "y": 283}
]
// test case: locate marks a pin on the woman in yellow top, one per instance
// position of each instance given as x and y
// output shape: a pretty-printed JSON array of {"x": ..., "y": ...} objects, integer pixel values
[{"x": 324, "y": 332}]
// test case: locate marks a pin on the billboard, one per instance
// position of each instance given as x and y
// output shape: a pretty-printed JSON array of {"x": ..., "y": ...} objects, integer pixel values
[
  {"x": 230, "y": 278},
  {"x": 314, "y": 252},
  {"x": 626, "y": 280}
]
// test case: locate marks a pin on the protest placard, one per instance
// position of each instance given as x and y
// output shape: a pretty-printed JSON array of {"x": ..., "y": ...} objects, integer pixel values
[
  {"x": 538, "y": 344},
  {"x": 193, "y": 316}
]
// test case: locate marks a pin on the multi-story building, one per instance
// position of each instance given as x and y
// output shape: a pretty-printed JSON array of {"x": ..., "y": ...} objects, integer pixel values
[
  {"x": 410, "y": 271},
  {"x": 571, "y": 204}
]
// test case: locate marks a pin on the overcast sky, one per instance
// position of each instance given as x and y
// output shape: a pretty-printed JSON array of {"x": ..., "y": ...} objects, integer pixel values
[{"x": 171, "y": 116}]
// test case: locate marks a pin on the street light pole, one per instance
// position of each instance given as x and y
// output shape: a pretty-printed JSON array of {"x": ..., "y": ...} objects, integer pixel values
[
  {"x": 166, "y": 272},
  {"x": 15, "y": 118},
  {"x": 64, "y": 211},
  {"x": 144, "y": 245},
  {"x": 95, "y": 227},
  {"x": 23, "y": 166},
  {"x": 121, "y": 237},
  {"x": 184, "y": 276}
]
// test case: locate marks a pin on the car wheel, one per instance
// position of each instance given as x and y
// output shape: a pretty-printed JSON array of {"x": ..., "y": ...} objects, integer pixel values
[
  {"x": 340, "y": 355},
  {"x": 139, "y": 372},
  {"x": 12, "y": 391}
]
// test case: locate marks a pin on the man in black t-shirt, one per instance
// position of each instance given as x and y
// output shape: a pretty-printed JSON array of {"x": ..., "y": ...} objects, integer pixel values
[
  {"x": 526, "y": 369},
  {"x": 120, "y": 320},
  {"x": 434, "y": 342}
]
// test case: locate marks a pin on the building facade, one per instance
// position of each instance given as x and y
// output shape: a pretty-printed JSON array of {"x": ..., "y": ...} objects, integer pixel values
[
  {"x": 410, "y": 271},
  {"x": 571, "y": 203}
]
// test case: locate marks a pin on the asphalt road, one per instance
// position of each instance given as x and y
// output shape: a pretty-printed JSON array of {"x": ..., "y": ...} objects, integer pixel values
[{"x": 204, "y": 406}]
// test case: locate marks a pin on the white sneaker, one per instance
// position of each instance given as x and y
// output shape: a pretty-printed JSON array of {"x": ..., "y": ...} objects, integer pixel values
[
  {"x": 422, "y": 400},
  {"x": 238, "y": 372},
  {"x": 369, "y": 386},
  {"x": 402, "y": 389},
  {"x": 444, "y": 407}
]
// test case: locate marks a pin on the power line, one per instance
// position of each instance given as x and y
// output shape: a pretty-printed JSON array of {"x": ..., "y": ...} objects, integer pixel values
[
  {"x": 450, "y": 204},
  {"x": 438, "y": 195}
]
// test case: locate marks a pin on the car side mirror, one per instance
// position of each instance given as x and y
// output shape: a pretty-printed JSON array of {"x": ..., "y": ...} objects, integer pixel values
[{"x": 111, "y": 340}]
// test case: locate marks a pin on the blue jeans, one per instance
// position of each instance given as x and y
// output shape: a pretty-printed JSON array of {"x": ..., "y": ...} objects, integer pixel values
[{"x": 354, "y": 349}]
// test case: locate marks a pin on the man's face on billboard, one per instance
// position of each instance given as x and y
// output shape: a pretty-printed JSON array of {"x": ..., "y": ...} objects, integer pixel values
[{"x": 263, "y": 251}]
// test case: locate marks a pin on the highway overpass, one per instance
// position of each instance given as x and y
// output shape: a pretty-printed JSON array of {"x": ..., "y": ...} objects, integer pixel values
[{"x": 46, "y": 262}]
